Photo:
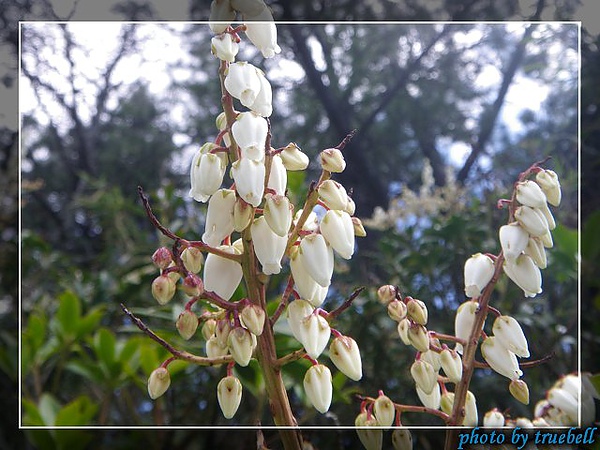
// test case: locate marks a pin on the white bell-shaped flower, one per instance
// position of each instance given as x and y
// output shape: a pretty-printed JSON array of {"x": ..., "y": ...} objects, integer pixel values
[
  {"x": 250, "y": 134},
  {"x": 224, "y": 47},
  {"x": 451, "y": 362},
  {"x": 529, "y": 193},
  {"x": 344, "y": 353},
  {"x": 214, "y": 349},
  {"x": 548, "y": 216},
  {"x": 278, "y": 176},
  {"x": 424, "y": 375},
  {"x": 463, "y": 322},
  {"x": 332, "y": 160},
  {"x": 278, "y": 213},
  {"x": 206, "y": 174},
  {"x": 533, "y": 220},
  {"x": 253, "y": 317},
  {"x": 243, "y": 82},
  {"x": 306, "y": 286},
  {"x": 471, "y": 416},
  {"x": 315, "y": 333},
  {"x": 338, "y": 230},
  {"x": 525, "y": 274},
  {"x": 478, "y": 271},
  {"x": 310, "y": 224},
  {"x": 318, "y": 387},
  {"x": 403, "y": 327},
  {"x": 431, "y": 400},
  {"x": 262, "y": 32},
  {"x": 417, "y": 311},
  {"x": 500, "y": 359},
  {"x": 513, "y": 239},
  {"x": 263, "y": 103},
  {"x": 418, "y": 337},
  {"x": 249, "y": 177},
  {"x": 384, "y": 411},
  {"x": 547, "y": 240},
  {"x": 350, "y": 206},
  {"x": 371, "y": 438},
  {"x": 293, "y": 158},
  {"x": 268, "y": 246},
  {"x": 509, "y": 333},
  {"x": 219, "y": 217},
  {"x": 297, "y": 311},
  {"x": 222, "y": 276},
  {"x": 229, "y": 395},
  {"x": 243, "y": 213},
  {"x": 561, "y": 398},
  {"x": 221, "y": 15},
  {"x": 317, "y": 258},
  {"x": 447, "y": 402},
  {"x": 535, "y": 249},
  {"x": 333, "y": 195},
  {"x": 240, "y": 345},
  {"x": 548, "y": 181},
  {"x": 493, "y": 419},
  {"x": 432, "y": 358}
]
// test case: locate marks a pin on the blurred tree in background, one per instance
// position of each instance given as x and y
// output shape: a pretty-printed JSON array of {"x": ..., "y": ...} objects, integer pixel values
[{"x": 431, "y": 103}]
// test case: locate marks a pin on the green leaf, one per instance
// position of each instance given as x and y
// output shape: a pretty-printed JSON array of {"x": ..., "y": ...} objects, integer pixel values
[
  {"x": 90, "y": 370},
  {"x": 31, "y": 414},
  {"x": 77, "y": 413},
  {"x": 48, "y": 408},
  {"x": 90, "y": 322},
  {"x": 595, "y": 379},
  {"x": 68, "y": 313},
  {"x": 104, "y": 344}
]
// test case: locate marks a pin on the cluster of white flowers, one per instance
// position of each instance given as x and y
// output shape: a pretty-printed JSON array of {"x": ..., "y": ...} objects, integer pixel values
[{"x": 256, "y": 207}]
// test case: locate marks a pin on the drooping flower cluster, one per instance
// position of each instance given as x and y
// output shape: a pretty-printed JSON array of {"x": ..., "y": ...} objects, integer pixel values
[{"x": 251, "y": 229}]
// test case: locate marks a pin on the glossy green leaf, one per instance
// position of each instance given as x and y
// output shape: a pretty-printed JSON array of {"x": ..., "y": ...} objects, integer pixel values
[
  {"x": 77, "y": 412},
  {"x": 68, "y": 313}
]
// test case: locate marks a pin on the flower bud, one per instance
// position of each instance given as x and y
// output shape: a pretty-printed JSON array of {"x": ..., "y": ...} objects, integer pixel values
[
  {"x": 386, "y": 294},
  {"x": 262, "y": 32},
  {"x": 306, "y": 286},
  {"x": 249, "y": 177},
  {"x": 278, "y": 176},
  {"x": 529, "y": 193},
  {"x": 293, "y": 158},
  {"x": 403, "y": 327},
  {"x": 222, "y": 276},
  {"x": 192, "y": 259},
  {"x": 418, "y": 337},
  {"x": 384, "y": 411},
  {"x": 452, "y": 364},
  {"x": 206, "y": 172},
  {"x": 359, "y": 230},
  {"x": 214, "y": 349},
  {"x": 547, "y": 240},
  {"x": 563, "y": 400},
  {"x": 397, "y": 310},
  {"x": 229, "y": 395},
  {"x": 424, "y": 375},
  {"x": 402, "y": 439},
  {"x": 525, "y": 274},
  {"x": 315, "y": 333},
  {"x": 478, "y": 272},
  {"x": 417, "y": 311},
  {"x": 350, "y": 206},
  {"x": 250, "y": 134},
  {"x": 337, "y": 229},
  {"x": 318, "y": 387},
  {"x": 278, "y": 214},
  {"x": 371, "y": 439},
  {"x": 493, "y": 419},
  {"x": 508, "y": 332},
  {"x": 187, "y": 324},
  {"x": 268, "y": 246},
  {"x": 548, "y": 181},
  {"x": 192, "y": 285},
  {"x": 344, "y": 353},
  {"x": 317, "y": 258},
  {"x": 533, "y": 220},
  {"x": 536, "y": 251},
  {"x": 159, "y": 382},
  {"x": 253, "y": 317},
  {"x": 463, "y": 322},
  {"x": 222, "y": 330},
  {"x": 243, "y": 213},
  {"x": 523, "y": 422},
  {"x": 163, "y": 289},
  {"x": 242, "y": 82},
  {"x": 513, "y": 239},
  {"x": 240, "y": 345},
  {"x": 447, "y": 402},
  {"x": 431, "y": 356},
  {"x": 333, "y": 194},
  {"x": 224, "y": 47},
  {"x": 519, "y": 390},
  {"x": 208, "y": 329},
  {"x": 471, "y": 416},
  {"x": 500, "y": 359},
  {"x": 431, "y": 400},
  {"x": 332, "y": 160},
  {"x": 162, "y": 258},
  {"x": 221, "y": 15},
  {"x": 297, "y": 311}
]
